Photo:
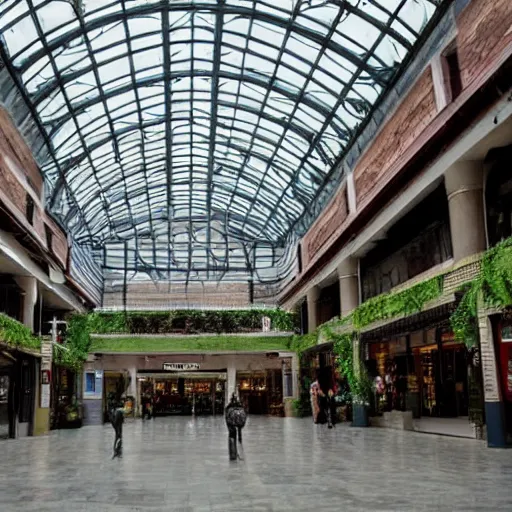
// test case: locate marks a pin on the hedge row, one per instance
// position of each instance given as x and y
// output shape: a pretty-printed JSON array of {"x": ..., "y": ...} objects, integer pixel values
[{"x": 190, "y": 321}]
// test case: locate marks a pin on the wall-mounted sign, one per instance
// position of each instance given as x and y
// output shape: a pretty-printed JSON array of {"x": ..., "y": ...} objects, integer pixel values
[
  {"x": 45, "y": 396},
  {"x": 180, "y": 367}
]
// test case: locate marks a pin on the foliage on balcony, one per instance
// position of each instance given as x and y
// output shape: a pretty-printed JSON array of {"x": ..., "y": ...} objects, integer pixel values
[
  {"x": 190, "y": 321},
  {"x": 78, "y": 342},
  {"x": 149, "y": 344},
  {"x": 493, "y": 286},
  {"x": 17, "y": 335}
]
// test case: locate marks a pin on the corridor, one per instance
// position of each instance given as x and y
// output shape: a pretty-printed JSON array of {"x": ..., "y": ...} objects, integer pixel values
[{"x": 179, "y": 463}]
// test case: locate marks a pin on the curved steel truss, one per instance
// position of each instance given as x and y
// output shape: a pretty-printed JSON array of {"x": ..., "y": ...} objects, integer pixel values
[{"x": 192, "y": 136}]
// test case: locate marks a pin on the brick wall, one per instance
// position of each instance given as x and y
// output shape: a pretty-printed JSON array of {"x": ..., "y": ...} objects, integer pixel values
[
  {"x": 147, "y": 295},
  {"x": 484, "y": 30},
  {"x": 12, "y": 144},
  {"x": 413, "y": 115},
  {"x": 331, "y": 219},
  {"x": 20, "y": 177}
]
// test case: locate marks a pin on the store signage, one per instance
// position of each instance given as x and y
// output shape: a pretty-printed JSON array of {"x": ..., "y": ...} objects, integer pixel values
[{"x": 180, "y": 367}]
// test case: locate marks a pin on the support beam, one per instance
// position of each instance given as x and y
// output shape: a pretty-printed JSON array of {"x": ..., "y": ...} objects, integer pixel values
[
  {"x": 464, "y": 187},
  {"x": 29, "y": 287},
  {"x": 312, "y": 299},
  {"x": 349, "y": 285}
]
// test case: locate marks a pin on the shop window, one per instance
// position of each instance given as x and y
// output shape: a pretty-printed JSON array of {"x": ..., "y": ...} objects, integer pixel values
[
  {"x": 30, "y": 209},
  {"x": 49, "y": 237},
  {"x": 453, "y": 81},
  {"x": 90, "y": 382},
  {"x": 416, "y": 243}
]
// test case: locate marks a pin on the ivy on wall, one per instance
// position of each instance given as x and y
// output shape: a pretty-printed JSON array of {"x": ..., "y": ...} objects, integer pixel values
[
  {"x": 78, "y": 342},
  {"x": 390, "y": 305},
  {"x": 190, "y": 321},
  {"x": 15, "y": 334},
  {"x": 493, "y": 284}
]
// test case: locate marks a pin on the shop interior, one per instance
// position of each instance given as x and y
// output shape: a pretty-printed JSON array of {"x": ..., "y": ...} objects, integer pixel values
[
  {"x": 261, "y": 392},
  {"x": 425, "y": 372},
  {"x": 197, "y": 393}
]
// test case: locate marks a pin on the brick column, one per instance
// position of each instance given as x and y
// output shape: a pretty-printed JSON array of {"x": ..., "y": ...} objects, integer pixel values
[
  {"x": 312, "y": 298},
  {"x": 349, "y": 285},
  {"x": 464, "y": 187},
  {"x": 494, "y": 409}
]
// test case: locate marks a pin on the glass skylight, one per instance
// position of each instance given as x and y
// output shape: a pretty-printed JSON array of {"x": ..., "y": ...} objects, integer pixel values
[{"x": 191, "y": 136}]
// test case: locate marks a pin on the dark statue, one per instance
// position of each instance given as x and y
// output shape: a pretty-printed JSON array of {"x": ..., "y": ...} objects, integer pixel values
[
  {"x": 116, "y": 416},
  {"x": 235, "y": 420}
]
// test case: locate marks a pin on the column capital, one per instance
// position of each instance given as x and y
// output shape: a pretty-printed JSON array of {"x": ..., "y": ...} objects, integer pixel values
[
  {"x": 347, "y": 268},
  {"x": 464, "y": 176}
]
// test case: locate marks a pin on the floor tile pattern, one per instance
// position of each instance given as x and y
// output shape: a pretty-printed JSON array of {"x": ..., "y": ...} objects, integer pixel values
[{"x": 181, "y": 464}]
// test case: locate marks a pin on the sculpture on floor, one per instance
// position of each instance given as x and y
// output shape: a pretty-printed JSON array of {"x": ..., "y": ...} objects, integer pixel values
[
  {"x": 235, "y": 420},
  {"x": 116, "y": 416}
]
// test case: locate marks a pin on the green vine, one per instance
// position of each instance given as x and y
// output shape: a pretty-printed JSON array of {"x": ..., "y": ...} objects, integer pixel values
[
  {"x": 78, "y": 342},
  {"x": 493, "y": 285},
  {"x": 390, "y": 305},
  {"x": 15, "y": 334}
]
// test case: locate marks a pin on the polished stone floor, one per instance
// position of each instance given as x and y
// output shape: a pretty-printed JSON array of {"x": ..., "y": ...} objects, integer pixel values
[{"x": 289, "y": 464}]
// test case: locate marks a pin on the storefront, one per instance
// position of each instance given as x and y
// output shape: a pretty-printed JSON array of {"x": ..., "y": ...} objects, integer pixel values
[
  {"x": 261, "y": 392},
  {"x": 66, "y": 412},
  {"x": 17, "y": 393},
  {"x": 503, "y": 335},
  {"x": 189, "y": 384},
  {"x": 183, "y": 393},
  {"x": 424, "y": 371}
]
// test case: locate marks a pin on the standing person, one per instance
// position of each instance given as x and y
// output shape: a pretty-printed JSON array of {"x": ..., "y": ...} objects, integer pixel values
[{"x": 316, "y": 394}]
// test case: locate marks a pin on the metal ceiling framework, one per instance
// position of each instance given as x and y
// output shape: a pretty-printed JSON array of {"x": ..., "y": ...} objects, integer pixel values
[{"x": 191, "y": 138}]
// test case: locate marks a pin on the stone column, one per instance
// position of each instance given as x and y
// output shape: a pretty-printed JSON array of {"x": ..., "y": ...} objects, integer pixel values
[
  {"x": 295, "y": 376},
  {"x": 349, "y": 285},
  {"x": 464, "y": 187},
  {"x": 312, "y": 298},
  {"x": 132, "y": 388},
  {"x": 494, "y": 408},
  {"x": 231, "y": 382},
  {"x": 29, "y": 287}
]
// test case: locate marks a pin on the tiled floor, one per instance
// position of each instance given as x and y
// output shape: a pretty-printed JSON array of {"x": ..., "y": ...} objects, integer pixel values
[{"x": 289, "y": 464}]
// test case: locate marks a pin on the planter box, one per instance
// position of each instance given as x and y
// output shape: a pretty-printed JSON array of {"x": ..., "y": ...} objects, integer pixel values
[
  {"x": 289, "y": 408},
  {"x": 397, "y": 420},
  {"x": 360, "y": 416}
]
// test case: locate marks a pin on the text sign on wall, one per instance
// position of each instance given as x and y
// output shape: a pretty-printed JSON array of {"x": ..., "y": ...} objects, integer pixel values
[{"x": 173, "y": 367}]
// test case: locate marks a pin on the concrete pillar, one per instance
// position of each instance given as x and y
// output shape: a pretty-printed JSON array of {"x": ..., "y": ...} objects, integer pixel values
[
  {"x": 29, "y": 287},
  {"x": 494, "y": 407},
  {"x": 132, "y": 388},
  {"x": 464, "y": 188},
  {"x": 295, "y": 376},
  {"x": 349, "y": 285},
  {"x": 312, "y": 299},
  {"x": 231, "y": 382}
]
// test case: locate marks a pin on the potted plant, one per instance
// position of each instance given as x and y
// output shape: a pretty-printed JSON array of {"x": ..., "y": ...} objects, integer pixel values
[{"x": 361, "y": 390}]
